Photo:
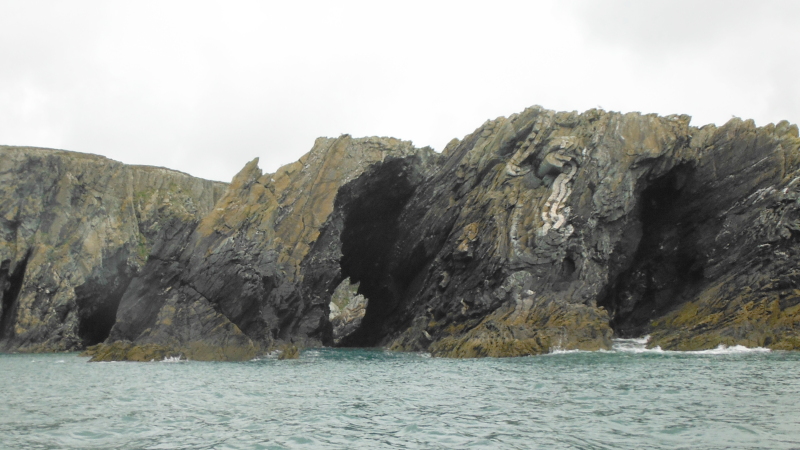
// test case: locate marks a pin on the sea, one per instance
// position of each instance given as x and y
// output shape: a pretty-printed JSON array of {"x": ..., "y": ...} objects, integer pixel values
[{"x": 626, "y": 398}]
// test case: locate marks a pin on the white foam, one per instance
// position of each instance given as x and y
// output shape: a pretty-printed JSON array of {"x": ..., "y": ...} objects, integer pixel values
[
  {"x": 723, "y": 349},
  {"x": 561, "y": 351},
  {"x": 173, "y": 359},
  {"x": 639, "y": 345},
  {"x": 635, "y": 345}
]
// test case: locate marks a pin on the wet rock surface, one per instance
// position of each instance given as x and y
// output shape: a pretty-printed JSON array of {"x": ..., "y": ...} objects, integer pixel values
[{"x": 544, "y": 230}]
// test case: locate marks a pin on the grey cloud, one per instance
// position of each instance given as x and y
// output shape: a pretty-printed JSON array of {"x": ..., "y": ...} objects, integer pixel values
[{"x": 205, "y": 86}]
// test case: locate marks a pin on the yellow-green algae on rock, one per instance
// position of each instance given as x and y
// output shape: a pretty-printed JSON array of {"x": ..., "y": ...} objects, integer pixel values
[
  {"x": 539, "y": 231},
  {"x": 196, "y": 351},
  {"x": 74, "y": 229}
]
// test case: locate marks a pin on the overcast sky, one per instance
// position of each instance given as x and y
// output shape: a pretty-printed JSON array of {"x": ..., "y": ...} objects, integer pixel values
[{"x": 204, "y": 87}]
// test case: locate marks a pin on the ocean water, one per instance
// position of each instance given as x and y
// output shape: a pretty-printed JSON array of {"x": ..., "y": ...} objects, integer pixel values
[{"x": 628, "y": 398}]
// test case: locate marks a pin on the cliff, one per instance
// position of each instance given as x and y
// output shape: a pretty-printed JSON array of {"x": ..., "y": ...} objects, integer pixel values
[
  {"x": 74, "y": 230},
  {"x": 557, "y": 230},
  {"x": 538, "y": 231},
  {"x": 235, "y": 285}
]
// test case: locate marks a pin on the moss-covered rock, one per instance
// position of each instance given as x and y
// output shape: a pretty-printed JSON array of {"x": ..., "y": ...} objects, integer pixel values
[
  {"x": 196, "y": 351},
  {"x": 288, "y": 351}
]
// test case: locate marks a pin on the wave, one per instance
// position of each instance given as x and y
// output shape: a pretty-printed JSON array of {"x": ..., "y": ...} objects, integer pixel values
[
  {"x": 634, "y": 345},
  {"x": 725, "y": 350},
  {"x": 639, "y": 345},
  {"x": 561, "y": 351}
]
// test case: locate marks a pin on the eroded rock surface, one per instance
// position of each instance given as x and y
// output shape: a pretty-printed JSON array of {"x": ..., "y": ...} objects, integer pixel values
[
  {"x": 544, "y": 230},
  {"x": 236, "y": 279},
  {"x": 551, "y": 230},
  {"x": 74, "y": 230},
  {"x": 348, "y": 308}
]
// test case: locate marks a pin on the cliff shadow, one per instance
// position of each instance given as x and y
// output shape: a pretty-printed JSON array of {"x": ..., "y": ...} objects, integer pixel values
[
  {"x": 666, "y": 268},
  {"x": 11, "y": 285},
  {"x": 99, "y": 297},
  {"x": 357, "y": 244}
]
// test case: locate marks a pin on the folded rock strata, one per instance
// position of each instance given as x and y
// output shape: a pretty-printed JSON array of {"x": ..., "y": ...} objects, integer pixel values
[{"x": 539, "y": 231}]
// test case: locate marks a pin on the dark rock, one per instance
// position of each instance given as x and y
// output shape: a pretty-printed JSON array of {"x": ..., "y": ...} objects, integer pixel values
[
  {"x": 237, "y": 277},
  {"x": 75, "y": 229},
  {"x": 537, "y": 232}
]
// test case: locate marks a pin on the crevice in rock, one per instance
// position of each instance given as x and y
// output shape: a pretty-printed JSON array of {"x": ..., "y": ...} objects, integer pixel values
[
  {"x": 11, "y": 284},
  {"x": 666, "y": 267},
  {"x": 369, "y": 234},
  {"x": 99, "y": 297}
]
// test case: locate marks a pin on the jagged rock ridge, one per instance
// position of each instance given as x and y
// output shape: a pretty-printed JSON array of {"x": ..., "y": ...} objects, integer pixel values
[
  {"x": 236, "y": 284},
  {"x": 538, "y": 231}
]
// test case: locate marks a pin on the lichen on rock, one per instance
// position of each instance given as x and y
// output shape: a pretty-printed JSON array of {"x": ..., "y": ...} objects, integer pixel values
[
  {"x": 74, "y": 230},
  {"x": 540, "y": 231},
  {"x": 348, "y": 308}
]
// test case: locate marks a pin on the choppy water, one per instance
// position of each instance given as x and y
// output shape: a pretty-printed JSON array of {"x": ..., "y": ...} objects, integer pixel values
[{"x": 627, "y": 398}]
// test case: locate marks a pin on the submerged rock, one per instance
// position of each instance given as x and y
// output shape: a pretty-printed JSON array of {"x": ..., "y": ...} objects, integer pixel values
[
  {"x": 288, "y": 351},
  {"x": 544, "y": 230}
]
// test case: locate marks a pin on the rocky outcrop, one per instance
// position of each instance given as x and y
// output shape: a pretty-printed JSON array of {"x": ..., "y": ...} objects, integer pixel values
[
  {"x": 75, "y": 229},
  {"x": 243, "y": 278},
  {"x": 553, "y": 230},
  {"x": 348, "y": 308},
  {"x": 718, "y": 263},
  {"x": 544, "y": 230}
]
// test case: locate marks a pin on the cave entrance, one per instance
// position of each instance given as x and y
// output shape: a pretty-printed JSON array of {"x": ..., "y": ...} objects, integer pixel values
[
  {"x": 97, "y": 312},
  {"x": 665, "y": 267},
  {"x": 98, "y": 300},
  {"x": 370, "y": 231},
  {"x": 11, "y": 285}
]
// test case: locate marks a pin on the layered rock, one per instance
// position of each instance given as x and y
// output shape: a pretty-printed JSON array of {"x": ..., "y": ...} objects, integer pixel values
[
  {"x": 539, "y": 231},
  {"x": 721, "y": 267},
  {"x": 74, "y": 230},
  {"x": 234, "y": 285},
  {"x": 553, "y": 230},
  {"x": 507, "y": 249}
]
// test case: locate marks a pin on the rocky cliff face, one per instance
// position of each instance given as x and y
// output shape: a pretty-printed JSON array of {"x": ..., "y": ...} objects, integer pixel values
[
  {"x": 555, "y": 230},
  {"x": 539, "y": 231},
  {"x": 235, "y": 284},
  {"x": 74, "y": 230}
]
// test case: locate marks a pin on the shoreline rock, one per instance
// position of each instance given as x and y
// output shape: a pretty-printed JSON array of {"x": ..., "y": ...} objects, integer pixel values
[
  {"x": 544, "y": 230},
  {"x": 75, "y": 229}
]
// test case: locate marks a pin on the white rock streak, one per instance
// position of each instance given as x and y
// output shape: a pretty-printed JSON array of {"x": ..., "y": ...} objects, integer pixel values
[{"x": 551, "y": 216}]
